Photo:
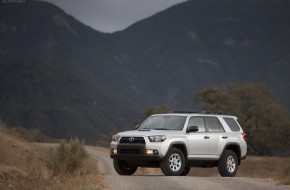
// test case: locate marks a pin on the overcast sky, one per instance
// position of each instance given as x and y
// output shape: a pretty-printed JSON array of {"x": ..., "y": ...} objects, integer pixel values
[{"x": 112, "y": 15}]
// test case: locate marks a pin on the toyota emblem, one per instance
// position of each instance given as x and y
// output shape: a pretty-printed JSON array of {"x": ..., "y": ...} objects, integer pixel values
[{"x": 131, "y": 139}]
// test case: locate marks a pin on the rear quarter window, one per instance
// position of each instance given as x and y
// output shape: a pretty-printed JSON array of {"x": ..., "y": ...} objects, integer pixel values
[
  {"x": 232, "y": 123},
  {"x": 213, "y": 124}
]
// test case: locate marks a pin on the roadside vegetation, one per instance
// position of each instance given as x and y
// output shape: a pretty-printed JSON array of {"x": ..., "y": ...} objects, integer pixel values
[
  {"x": 28, "y": 166},
  {"x": 68, "y": 158}
]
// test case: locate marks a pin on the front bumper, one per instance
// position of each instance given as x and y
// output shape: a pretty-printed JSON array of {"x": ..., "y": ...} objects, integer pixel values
[
  {"x": 137, "y": 152},
  {"x": 129, "y": 151},
  {"x": 136, "y": 157}
]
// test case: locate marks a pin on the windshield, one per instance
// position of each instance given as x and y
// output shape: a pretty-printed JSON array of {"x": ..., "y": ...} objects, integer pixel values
[{"x": 164, "y": 122}]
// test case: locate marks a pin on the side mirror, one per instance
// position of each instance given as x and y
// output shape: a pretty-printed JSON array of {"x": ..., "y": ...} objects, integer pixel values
[
  {"x": 136, "y": 127},
  {"x": 192, "y": 129}
]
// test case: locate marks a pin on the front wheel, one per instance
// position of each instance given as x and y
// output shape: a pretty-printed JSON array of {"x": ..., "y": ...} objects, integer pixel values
[
  {"x": 228, "y": 164},
  {"x": 122, "y": 168},
  {"x": 185, "y": 171},
  {"x": 174, "y": 163}
]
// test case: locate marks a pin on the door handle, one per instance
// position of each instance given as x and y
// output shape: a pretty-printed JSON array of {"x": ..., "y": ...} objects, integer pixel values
[
  {"x": 206, "y": 137},
  {"x": 224, "y": 137}
]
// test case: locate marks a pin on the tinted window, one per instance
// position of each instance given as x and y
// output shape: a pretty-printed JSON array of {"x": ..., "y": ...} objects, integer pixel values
[
  {"x": 232, "y": 124},
  {"x": 197, "y": 121},
  {"x": 213, "y": 124}
]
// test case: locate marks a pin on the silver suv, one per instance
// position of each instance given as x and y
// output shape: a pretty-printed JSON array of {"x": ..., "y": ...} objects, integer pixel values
[{"x": 177, "y": 141}]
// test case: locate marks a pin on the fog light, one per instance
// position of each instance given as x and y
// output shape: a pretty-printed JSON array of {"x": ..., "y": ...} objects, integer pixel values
[
  {"x": 155, "y": 152},
  {"x": 114, "y": 151},
  {"x": 151, "y": 152}
]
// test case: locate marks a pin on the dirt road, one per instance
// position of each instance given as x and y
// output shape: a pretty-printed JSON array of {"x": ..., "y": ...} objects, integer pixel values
[{"x": 154, "y": 179}]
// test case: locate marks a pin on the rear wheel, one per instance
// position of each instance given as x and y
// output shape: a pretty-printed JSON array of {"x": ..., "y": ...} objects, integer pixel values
[
  {"x": 228, "y": 164},
  {"x": 174, "y": 163},
  {"x": 123, "y": 168}
]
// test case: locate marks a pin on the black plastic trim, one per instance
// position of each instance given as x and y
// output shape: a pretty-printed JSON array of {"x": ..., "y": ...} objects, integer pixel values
[
  {"x": 178, "y": 143},
  {"x": 235, "y": 144},
  {"x": 142, "y": 157}
]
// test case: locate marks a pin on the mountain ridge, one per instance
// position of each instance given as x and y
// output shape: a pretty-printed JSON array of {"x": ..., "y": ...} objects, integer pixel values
[
  {"x": 235, "y": 39},
  {"x": 97, "y": 83}
]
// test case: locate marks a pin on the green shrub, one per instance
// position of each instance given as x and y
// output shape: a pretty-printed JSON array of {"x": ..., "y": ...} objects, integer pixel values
[{"x": 68, "y": 158}]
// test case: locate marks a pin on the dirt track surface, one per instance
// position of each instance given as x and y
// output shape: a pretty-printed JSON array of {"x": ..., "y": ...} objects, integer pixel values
[{"x": 154, "y": 179}]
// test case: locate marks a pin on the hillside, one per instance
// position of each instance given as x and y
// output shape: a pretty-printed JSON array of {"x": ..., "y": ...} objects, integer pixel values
[
  {"x": 178, "y": 51},
  {"x": 61, "y": 104},
  {"x": 65, "y": 78},
  {"x": 48, "y": 75}
]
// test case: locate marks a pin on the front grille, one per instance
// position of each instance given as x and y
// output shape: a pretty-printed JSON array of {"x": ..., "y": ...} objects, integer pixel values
[
  {"x": 130, "y": 151},
  {"x": 139, "y": 140}
]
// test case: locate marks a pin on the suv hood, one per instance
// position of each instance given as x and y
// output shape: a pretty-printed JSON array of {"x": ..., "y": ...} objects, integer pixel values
[{"x": 142, "y": 133}]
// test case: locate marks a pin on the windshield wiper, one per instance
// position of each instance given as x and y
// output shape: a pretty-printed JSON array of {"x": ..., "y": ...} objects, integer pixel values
[
  {"x": 144, "y": 129},
  {"x": 161, "y": 129}
]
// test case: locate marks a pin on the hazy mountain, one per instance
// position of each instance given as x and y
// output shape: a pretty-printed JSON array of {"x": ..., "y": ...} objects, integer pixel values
[
  {"x": 41, "y": 31},
  {"x": 67, "y": 79},
  {"x": 49, "y": 67},
  {"x": 60, "y": 103},
  {"x": 197, "y": 43}
]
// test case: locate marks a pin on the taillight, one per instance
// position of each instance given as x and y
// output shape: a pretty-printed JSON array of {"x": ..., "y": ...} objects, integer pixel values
[{"x": 244, "y": 135}]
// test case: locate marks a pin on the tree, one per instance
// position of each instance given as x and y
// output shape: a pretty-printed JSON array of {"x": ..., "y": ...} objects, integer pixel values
[
  {"x": 217, "y": 100},
  {"x": 266, "y": 122}
]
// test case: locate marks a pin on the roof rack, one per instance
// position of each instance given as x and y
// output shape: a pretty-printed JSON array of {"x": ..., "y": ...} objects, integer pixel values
[
  {"x": 184, "y": 111},
  {"x": 201, "y": 112},
  {"x": 216, "y": 113}
]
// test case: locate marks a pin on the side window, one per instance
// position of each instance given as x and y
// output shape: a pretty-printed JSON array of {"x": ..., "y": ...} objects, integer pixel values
[
  {"x": 232, "y": 124},
  {"x": 197, "y": 121},
  {"x": 213, "y": 124}
]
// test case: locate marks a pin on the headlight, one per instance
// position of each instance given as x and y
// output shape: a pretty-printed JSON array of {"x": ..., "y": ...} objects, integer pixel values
[
  {"x": 115, "y": 138},
  {"x": 157, "y": 138}
]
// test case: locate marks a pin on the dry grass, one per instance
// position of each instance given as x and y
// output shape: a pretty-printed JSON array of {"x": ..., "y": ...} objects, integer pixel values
[
  {"x": 274, "y": 168},
  {"x": 20, "y": 165},
  {"x": 86, "y": 178},
  {"x": 23, "y": 166},
  {"x": 68, "y": 158}
]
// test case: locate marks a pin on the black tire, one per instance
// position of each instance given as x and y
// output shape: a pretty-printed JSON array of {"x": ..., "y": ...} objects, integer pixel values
[
  {"x": 122, "y": 168},
  {"x": 173, "y": 163},
  {"x": 185, "y": 171},
  {"x": 228, "y": 164}
]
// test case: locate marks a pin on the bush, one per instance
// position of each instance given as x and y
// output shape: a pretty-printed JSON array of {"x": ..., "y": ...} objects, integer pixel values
[{"x": 68, "y": 158}]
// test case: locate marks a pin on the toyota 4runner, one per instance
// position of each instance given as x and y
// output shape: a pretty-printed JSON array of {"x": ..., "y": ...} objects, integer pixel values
[{"x": 177, "y": 141}]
